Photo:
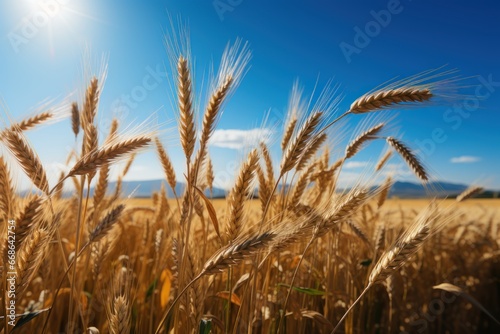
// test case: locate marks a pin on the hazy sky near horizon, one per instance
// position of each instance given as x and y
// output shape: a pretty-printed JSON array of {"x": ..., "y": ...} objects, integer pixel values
[{"x": 356, "y": 44}]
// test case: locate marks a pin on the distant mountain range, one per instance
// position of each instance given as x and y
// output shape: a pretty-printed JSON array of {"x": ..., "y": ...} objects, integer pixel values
[
  {"x": 399, "y": 189},
  {"x": 141, "y": 189}
]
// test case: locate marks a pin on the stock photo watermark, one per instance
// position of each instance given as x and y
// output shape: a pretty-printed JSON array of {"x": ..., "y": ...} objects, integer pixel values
[
  {"x": 123, "y": 105},
  {"x": 455, "y": 116},
  {"x": 420, "y": 321},
  {"x": 223, "y": 6},
  {"x": 11, "y": 273},
  {"x": 30, "y": 26},
  {"x": 363, "y": 36}
]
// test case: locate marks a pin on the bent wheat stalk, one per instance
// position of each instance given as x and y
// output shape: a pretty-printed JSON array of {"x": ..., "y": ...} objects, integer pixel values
[{"x": 224, "y": 258}]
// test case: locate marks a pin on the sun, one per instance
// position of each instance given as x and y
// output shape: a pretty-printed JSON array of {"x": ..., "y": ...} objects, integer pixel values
[{"x": 58, "y": 20}]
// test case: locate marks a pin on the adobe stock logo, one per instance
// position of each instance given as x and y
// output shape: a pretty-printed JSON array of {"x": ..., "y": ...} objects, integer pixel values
[
  {"x": 222, "y": 6},
  {"x": 454, "y": 116},
  {"x": 30, "y": 25},
  {"x": 372, "y": 29}
]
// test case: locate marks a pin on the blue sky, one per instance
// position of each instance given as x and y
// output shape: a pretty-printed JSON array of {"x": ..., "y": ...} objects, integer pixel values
[{"x": 313, "y": 41}]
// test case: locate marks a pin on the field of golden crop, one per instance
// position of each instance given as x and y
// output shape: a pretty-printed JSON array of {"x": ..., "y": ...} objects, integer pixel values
[{"x": 306, "y": 258}]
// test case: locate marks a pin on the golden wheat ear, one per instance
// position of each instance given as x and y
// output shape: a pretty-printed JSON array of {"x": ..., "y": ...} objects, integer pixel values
[
  {"x": 109, "y": 153},
  {"x": 26, "y": 158},
  {"x": 409, "y": 157},
  {"x": 418, "y": 90},
  {"x": 186, "y": 113},
  {"x": 389, "y": 98}
]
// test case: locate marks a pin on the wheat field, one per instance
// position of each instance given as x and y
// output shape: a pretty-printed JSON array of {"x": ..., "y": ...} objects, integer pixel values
[{"x": 308, "y": 257}]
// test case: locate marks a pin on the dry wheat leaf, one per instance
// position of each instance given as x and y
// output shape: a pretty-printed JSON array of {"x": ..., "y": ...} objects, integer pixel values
[
  {"x": 317, "y": 317},
  {"x": 166, "y": 279},
  {"x": 211, "y": 211},
  {"x": 225, "y": 295},
  {"x": 458, "y": 291}
]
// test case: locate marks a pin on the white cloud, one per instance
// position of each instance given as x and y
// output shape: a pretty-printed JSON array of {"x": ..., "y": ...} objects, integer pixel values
[
  {"x": 238, "y": 139},
  {"x": 355, "y": 164},
  {"x": 464, "y": 159}
]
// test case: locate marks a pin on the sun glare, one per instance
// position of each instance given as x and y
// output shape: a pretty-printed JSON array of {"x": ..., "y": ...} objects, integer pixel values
[{"x": 58, "y": 20}]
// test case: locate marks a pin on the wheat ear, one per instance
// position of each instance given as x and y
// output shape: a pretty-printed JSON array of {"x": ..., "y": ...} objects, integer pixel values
[
  {"x": 383, "y": 160},
  {"x": 358, "y": 142},
  {"x": 166, "y": 163},
  {"x": 287, "y": 135},
  {"x": 31, "y": 122},
  {"x": 27, "y": 219},
  {"x": 210, "y": 175},
  {"x": 384, "y": 192},
  {"x": 239, "y": 193},
  {"x": 469, "y": 192},
  {"x": 408, "y": 156},
  {"x": 87, "y": 117},
  {"x": 75, "y": 118},
  {"x": 388, "y": 98},
  {"x": 106, "y": 224},
  {"x": 225, "y": 257},
  {"x": 297, "y": 146},
  {"x": 108, "y": 154},
  {"x": 29, "y": 258},
  {"x": 311, "y": 150},
  {"x": 186, "y": 113},
  {"x": 7, "y": 193},
  {"x": 27, "y": 158}
]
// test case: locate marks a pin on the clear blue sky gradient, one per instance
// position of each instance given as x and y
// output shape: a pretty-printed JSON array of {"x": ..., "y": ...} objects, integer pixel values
[{"x": 289, "y": 40}]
